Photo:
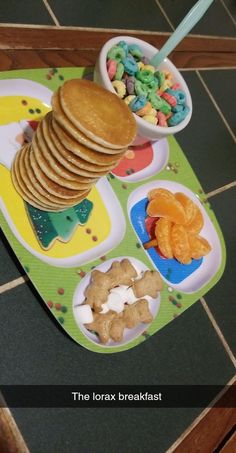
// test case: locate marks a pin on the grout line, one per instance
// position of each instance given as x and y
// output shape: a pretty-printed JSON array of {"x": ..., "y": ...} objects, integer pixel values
[
  {"x": 50, "y": 11},
  {"x": 221, "y": 189},
  {"x": 10, "y": 285},
  {"x": 218, "y": 331},
  {"x": 215, "y": 68},
  {"x": 191, "y": 427},
  {"x": 216, "y": 106},
  {"x": 164, "y": 14},
  {"x": 228, "y": 12}
]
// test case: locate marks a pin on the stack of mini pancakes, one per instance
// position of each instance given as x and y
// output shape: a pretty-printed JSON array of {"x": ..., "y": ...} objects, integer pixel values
[{"x": 79, "y": 141}]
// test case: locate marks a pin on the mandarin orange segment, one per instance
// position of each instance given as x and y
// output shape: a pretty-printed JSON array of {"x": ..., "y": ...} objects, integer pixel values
[
  {"x": 199, "y": 246},
  {"x": 180, "y": 244},
  {"x": 197, "y": 223},
  {"x": 169, "y": 208},
  {"x": 155, "y": 192},
  {"x": 188, "y": 205},
  {"x": 163, "y": 235}
]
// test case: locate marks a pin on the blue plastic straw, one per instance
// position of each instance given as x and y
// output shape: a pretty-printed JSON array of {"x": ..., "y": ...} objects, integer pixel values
[{"x": 193, "y": 16}]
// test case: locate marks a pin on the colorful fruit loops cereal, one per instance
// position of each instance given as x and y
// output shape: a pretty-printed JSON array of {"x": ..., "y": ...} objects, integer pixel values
[
  {"x": 179, "y": 222},
  {"x": 150, "y": 93}
]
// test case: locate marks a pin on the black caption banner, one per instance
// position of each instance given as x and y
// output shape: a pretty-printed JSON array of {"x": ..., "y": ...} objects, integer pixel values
[{"x": 153, "y": 396}]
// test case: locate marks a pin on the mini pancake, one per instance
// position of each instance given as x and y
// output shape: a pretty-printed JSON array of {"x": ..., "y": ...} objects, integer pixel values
[
  {"x": 21, "y": 189},
  {"x": 31, "y": 187},
  {"x": 53, "y": 187},
  {"x": 57, "y": 201},
  {"x": 42, "y": 193},
  {"x": 101, "y": 115},
  {"x": 56, "y": 164},
  {"x": 64, "y": 121},
  {"x": 52, "y": 175},
  {"x": 70, "y": 161},
  {"x": 88, "y": 154}
]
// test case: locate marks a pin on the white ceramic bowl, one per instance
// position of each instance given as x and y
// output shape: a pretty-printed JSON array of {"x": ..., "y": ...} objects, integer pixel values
[{"x": 146, "y": 131}]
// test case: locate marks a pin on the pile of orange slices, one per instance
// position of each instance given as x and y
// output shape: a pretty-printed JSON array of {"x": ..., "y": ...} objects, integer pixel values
[{"x": 179, "y": 222}]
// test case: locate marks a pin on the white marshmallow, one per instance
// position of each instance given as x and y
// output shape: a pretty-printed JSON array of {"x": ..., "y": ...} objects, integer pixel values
[
  {"x": 115, "y": 302},
  {"x": 130, "y": 297},
  {"x": 120, "y": 290},
  {"x": 84, "y": 314}
]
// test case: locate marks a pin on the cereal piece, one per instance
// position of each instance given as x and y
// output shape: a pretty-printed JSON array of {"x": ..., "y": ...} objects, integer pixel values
[
  {"x": 178, "y": 117},
  {"x": 169, "y": 98},
  {"x": 138, "y": 103},
  {"x": 136, "y": 313},
  {"x": 145, "y": 76},
  {"x": 199, "y": 246},
  {"x": 145, "y": 110},
  {"x": 119, "y": 87},
  {"x": 161, "y": 119},
  {"x": 169, "y": 208},
  {"x": 135, "y": 51},
  {"x": 148, "y": 285},
  {"x": 178, "y": 94},
  {"x": 180, "y": 244},
  {"x": 111, "y": 68},
  {"x": 116, "y": 53},
  {"x": 130, "y": 84},
  {"x": 160, "y": 76},
  {"x": 163, "y": 235},
  {"x": 188, "y": 205},
  {"x": 148, "y": 67},
  {"x": 150, "y": 119},
  {"x": 124, "y": 46},
  {"x": 119, "y": 71},
  {"x": 129, "y": 98},
  {"x": 129, "y": 154},
  {"x": 140, "y": 88},
  {"x": 130, "y": 66},
  {"x": 140, "y": 65},
  {"x": 84, "y": 313}
]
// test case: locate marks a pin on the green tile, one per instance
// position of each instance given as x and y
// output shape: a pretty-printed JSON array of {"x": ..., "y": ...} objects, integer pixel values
[
  {"x": 206, "y": 141},
  {"x": 24, "y": 12},
  {"x": 34, "y": 350},
  {"x": 215, "y": 21},
  {"x": 221, "y": 84},
  {"x": 221, "y": 299},
  {"x": 10, "y": 267},
  {"x": 102, "y": 430},
  {"x": 134, "y": 14}
]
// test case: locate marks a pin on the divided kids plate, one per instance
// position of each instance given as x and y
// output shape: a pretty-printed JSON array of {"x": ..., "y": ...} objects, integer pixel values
[{"x": 113, "y": 230}]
